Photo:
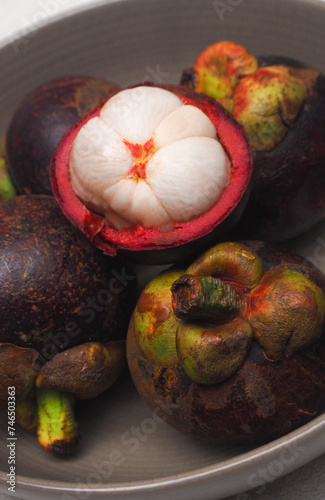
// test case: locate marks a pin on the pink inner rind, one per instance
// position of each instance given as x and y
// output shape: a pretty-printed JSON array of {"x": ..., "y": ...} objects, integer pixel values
[{"x": 96, "y": 227}]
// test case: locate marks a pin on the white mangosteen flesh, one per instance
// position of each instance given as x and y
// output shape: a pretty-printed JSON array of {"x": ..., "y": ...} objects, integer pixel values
[{"x": 148, "y": 159}]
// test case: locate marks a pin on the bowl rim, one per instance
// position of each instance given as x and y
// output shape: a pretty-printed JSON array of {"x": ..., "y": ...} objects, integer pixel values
[
  {"x": 304, "y": 438},
  {"x": 95, "y": 4}
]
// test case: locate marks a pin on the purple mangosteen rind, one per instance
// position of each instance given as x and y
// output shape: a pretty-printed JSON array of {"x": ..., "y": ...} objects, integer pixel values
[
  {"x": 40, "y": 121},
  {"x": 40, "y": 248},
  {"x": 66, "y": 309}
]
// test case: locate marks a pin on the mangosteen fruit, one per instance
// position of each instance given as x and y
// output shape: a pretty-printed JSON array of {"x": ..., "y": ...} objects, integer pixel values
[
  {"x": 154, "y": 174},
  {"x": 233, "y": 347},
  {"x": 280, "y": 102},
  {"x": 40, "y": 121},
  {"x": 65, "y": 309}
]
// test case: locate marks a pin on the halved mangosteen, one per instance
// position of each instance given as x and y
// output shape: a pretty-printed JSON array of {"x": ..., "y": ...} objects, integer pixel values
[{"x": 155, "y": 174}]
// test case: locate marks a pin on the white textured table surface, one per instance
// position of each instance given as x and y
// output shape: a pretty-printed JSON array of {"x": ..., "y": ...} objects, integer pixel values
[{"x": 306, "y": 483}]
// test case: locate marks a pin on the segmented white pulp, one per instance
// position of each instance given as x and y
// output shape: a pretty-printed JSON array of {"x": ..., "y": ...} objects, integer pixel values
[{"x": 148, "y": 159}]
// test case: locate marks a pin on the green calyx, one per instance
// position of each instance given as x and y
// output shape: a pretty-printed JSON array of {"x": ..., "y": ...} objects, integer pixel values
[
  {"x": 196, "y": 317},
  {"x": 155, "y": 322},
  {"x": 286, "y": 312},
  {"x": 212, "y": 339},
  {"x": 214, "y": 86},
  {"x": 57, "y": 429},
  {"x": 218, "y": 69},
  {"x": 206, "y": 318},
  {"x": 85, "y": 370},
  {"x": 232, "y": 262},
  {"x": 267, "y": 102},
  {"x": 211, "y": 354}
]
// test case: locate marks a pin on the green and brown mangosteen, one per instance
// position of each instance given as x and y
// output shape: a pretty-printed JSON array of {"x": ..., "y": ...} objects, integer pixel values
[
  {"x": 65, "y": 309},
  {"x": 154, "y": 174},
  {"x": 281, "y": 104},
  {"x": 233, "y": 346},
  {"x": 40, "y": 121}
]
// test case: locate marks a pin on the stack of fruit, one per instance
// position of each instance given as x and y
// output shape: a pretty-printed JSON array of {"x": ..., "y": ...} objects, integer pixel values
[{"x": 209, "y": 175}]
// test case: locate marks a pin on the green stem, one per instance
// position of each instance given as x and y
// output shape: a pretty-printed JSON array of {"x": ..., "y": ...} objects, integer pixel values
[
  {"x": 57, "y": 429},
  {"x": 203, "y": 297}
]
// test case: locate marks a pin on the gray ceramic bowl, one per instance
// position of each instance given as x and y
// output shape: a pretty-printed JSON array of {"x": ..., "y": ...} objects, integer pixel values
[{"x": 125, "y": 453}]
